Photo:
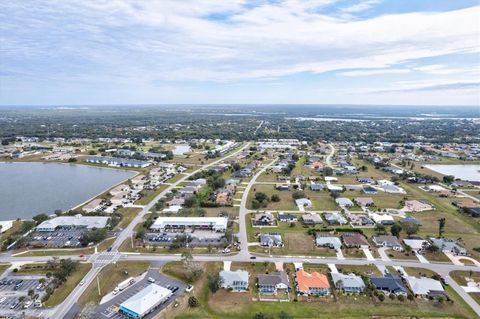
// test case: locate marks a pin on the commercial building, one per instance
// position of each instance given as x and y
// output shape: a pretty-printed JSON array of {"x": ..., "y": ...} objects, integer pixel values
[
  {"x": 77, "y": 221},
  {"x": 144, "y": 301},
  {"x": 116, "y": 161},
  {"x": 207, "y": 223}
]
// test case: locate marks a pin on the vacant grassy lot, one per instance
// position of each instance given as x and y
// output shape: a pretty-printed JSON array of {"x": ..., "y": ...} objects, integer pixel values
[
  {"x": 286, "y": 201},
  {"x": 368, "y": 270},
  {"x": 110, "y": 277},
  {"x": 128, "y": 214},
  {"x": 321, "y": 201},
  {"x": 149, "y": 195}
]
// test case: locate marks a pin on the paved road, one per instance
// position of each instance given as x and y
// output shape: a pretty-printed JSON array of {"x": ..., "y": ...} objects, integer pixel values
[
  {"x": 242, "y": 234},
  {"x": 328, "y": 159},
  {"x": 465, "y": 296},
  {"x": 102, "y": 259}
]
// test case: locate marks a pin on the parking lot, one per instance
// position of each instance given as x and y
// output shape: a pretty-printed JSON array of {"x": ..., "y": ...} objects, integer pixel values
[
  {"x": 14, "y": 287},
  {"x": 198, "y": 238},
  {"x": 108, "y": 309},
  {"x": 62, "y": 237}
]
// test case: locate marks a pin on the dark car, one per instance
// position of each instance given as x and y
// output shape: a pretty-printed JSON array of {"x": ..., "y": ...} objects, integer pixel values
[{"x": 253, "y": 257}]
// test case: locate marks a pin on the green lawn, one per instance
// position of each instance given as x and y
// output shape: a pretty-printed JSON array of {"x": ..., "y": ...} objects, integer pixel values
[
  {"x": 4, "y": 267},
  {"x": 128, "y": 214},
  {"x": 149, "y": 195},
  {"x": 286, "y": 201}
]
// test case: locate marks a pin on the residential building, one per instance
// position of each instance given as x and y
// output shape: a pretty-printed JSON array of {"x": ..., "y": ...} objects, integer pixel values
[
  {"x": 417, "y": 244},
  {"x": 389, "y": 284},
  {"x": 383, "y": 219},
  {"x": 369, "y": 189},
  {"x": 449, "y": 245},
  {"x": 285, "y": 217},
  {"x": 312, "y": 283},
  {"x": 271, "y": 240},
  {"x": 364, "y": 201},
  {"x": 344, "y": 202},
  {"x": 303, "y": 202},
  {"x": 348, "y": 283},
  {"x": 270, "y": 283},
  {"x": 235, "y": 280},
  {"x": 326, "y": 240},
  {"x": 312, "y": 219},
  {"x": 355, "y": 240},
  {"x": 335, "y": 219},
  {"x": 387, "y": 241},
  {"x": 264, "y": 219},
  {"x": 424, "y": 286},
  {"x": 316, "y": 187}
]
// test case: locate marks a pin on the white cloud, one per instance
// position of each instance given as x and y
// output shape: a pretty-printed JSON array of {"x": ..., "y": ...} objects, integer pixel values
[
  {"x": 361, "y": 6},
  {"x": 374, "y": 72}
]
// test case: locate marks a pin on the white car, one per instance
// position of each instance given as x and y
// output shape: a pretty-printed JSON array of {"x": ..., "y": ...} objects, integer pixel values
[
  {"x": 82, "y": 282},
  {"x": 3, "y": 299},
  {"x": 189, "y": 288},
  {"x": 150, "y": 279}
]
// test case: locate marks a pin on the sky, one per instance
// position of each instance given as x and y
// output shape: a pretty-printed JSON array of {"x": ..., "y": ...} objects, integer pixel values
[{"x": 70, "y": 52}]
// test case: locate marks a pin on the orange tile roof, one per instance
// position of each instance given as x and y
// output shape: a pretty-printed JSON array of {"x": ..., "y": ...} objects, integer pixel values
[{"x": 306, "y": 281}]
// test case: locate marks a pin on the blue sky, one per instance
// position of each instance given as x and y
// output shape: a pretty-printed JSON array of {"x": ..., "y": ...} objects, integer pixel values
[{"x": 165, "y": 52}]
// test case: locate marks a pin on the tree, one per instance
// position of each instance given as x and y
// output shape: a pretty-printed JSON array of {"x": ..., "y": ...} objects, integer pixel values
[
  {"x": 298, "y": 194},
  {"x": 214, "y": 282},
  {"x": 40, "y": 218},
  {"x": 187, "y": 258},
  {"x": 261, "y": 315},
  {"x": 379, "y": 228},
  {"x": 327, "y": 171},
  {"x": 284, "y": 315},
  {"x": 441, "y": 226},
  {"x": 395, "y": 229},
  {"x": 275, "y": 198},
  {"x": 259, "y": 196},
  {"x": 193, "y": 302},
  {"x": 410, "y": 228},
  {"x": 72, "y": 160},
  {"x": 448, "y": 179},
  {"x": 190, "y": 202}
]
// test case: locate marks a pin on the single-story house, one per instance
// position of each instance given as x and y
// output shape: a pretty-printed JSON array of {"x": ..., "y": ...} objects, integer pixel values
[
  {"x": 282, "y": 187},
  {"x": 355, "y": 240},
  {"x": 364, "y": 201},
  {"x": 235, "y": 280},
  {"x": 369, "y": 190},
  {"x": 348, "y": 283},
  {"x": 285, "y": 217},
  {"x": 316, "y": 187},
  {"x": 270, "y": 283},
  {"x": 335, "y": 219},
  {"x": 334, "y": 188},
  {"x": 383, "y": 219},
  {"x": 305, "y": 202},
  {"x": 343, "y": 201},
  {"x": 366, "y": 180},
  {"x": 389, "y": 284},
  {"x": 264, "y": 219},
  {"x": 312, "y": 283},
  {"x": 271, "y": 240},
  {"x": 387, "y": 241},
  {"x": 312, "y": 219},
  {"x": 416, "y": 244},
  {"x": 424, "y": 286},
  {"x": 410, "y": 220},
  {"x": 449, "y": 245},
  {"x": 326, "y": 240}
]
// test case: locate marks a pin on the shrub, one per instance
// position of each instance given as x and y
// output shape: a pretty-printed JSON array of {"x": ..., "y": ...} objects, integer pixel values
[{"x": 193, "y": 302}]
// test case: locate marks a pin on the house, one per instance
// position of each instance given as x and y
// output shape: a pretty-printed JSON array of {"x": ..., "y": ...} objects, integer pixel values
[
  {"x": 235, "y": 280},
  {"x": 270, "y": 283},
  {"x": 264, "y": 219},
  {"x": 473, "y": 211},
  {"x": 417, "y": 244},
  {"x": 417, "y": 206},
  {"x": 364, "y": 201},
  {"x": 344, "y": 202},
  {"x": 369, "y": 190},
  {"x": 390, "y": 187},
  {"x": 282, "y": 187},
  {"x": 312, "y": 283},
  {"x": 355, "y": 240},
  {"x": 311, "y": 219},
  {"x": 232, "y": 182},
  {"x": 383, "y": 219},
  {"x": 334, "y": 188},
  {"x": 387, "y": 241},
  {"x": 303, "y": 202},
  {"x": 449, "y": 245},
  {"x": 424, "y": 286},
  {"x": 172, "y": 209},
  {"x": 284, "y": 217},
  {"x": 348, "y": 283},
  {"x": 316, "y": 187},
  {"x": 326, "y": 240},
  {"x": 271, "y": 240},
  {"x": 222, "y": 198},
  {"x": 365, "y": 180},
  {"x": 335, "y": 219},
  {"x": 389, "y": 284}
]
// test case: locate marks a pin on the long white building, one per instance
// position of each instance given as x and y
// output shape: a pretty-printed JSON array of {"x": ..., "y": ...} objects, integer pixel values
[
  {"x": 78, "y": 221},
  {"x": 213, "y": 223},
  {"x": 145, "y": 301}
]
